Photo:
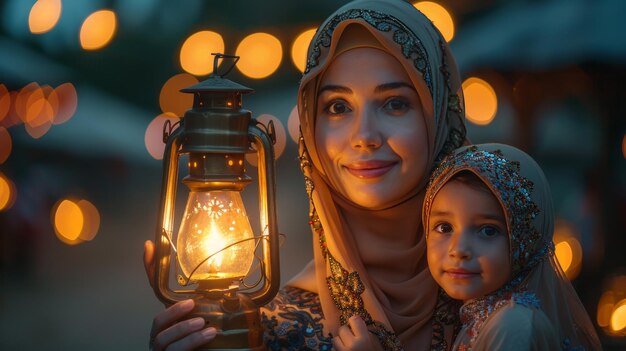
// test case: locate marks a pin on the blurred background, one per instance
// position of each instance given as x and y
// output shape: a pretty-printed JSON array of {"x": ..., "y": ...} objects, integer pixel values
[{"x": 86, "y": 86}]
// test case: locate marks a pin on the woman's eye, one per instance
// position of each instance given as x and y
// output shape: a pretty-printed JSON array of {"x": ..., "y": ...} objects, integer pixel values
[
  {"x": 443, "y": 228},
  {"x": 337, "y": 108},
  {"x": 489, "y": 231},
  {"x": 396, "y": 105}
]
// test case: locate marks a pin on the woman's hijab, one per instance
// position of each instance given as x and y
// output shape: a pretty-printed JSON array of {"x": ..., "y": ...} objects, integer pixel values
[
  {"x": 365, "y": 272},
  {"x": 520, "y": 186}
]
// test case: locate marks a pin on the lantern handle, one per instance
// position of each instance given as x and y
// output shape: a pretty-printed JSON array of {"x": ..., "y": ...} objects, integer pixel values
[{"x": 222, "y": 56}]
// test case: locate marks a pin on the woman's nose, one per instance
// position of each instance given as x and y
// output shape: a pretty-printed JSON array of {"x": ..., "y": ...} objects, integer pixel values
[
  {"x": 365, "y": 132},
  {"x": 460, "y": 246}
]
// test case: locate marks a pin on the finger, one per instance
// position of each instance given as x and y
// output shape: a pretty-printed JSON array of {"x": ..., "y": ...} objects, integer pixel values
[
  {"x": 171, "y": 315},
  {"x": 194, "y": 340},
  {"x": 338, "y": 344},
  {"x": 345, "y": 335},
  {"x": 357, "y": 324},
  {"x": 148, "y": 260}
]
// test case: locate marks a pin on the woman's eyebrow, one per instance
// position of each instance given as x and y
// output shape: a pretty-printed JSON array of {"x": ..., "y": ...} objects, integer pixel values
[
  {"x": 393, "y": 85},
  {"x": 335, "y": 88}
]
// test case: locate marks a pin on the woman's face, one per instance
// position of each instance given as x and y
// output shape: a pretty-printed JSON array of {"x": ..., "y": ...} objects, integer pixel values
[{"x": 370, "y": 131}]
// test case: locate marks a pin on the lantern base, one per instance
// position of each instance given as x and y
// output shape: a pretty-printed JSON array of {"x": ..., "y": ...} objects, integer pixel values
[{"x": 237, "y": 320}]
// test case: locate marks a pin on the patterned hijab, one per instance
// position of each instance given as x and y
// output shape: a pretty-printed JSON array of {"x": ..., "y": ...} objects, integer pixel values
[
  {"x": 524, "y": 194},
  {"x": 365, "y": 273}
]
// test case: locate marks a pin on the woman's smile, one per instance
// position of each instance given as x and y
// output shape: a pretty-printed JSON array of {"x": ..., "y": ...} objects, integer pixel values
[{"x": 369, "y": 169}]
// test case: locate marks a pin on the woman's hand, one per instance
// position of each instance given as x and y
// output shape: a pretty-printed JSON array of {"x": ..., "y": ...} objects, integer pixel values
[
  {"x": 355, "y": 337},
  {"x": 170, "y": 331}
]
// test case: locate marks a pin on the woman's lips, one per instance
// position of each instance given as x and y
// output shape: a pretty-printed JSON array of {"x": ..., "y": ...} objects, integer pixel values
[
  {"x": 460, "y": 273},
  {"x": 370, "y": 169}
]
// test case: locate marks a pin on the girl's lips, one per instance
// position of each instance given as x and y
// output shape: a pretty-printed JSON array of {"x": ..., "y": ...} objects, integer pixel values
[
  {"x": 369, "y": 169},
  {"x": 459, "y": 273}
]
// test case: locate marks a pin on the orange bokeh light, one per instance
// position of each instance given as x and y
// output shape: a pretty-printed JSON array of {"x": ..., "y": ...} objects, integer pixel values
[
  {"x": 21, "y": 101},
  {"x": 481, "y": 102},
  {"x": 260, "y": 55},
  {"x": 618, "y": 317},
  {"x": 98, "y": 29},
  {"x": 68, "y": 221},
  {"x": 195, "y": 54},
  {"x": 440, "y": 17},
  {"x": 8, "y": 193},
  {"x": 44, "y": 15},
  {"x": 91, "y": 220},
  {"x": 5, "y": 101},
  {"x": 624, "y": 146},
  {"x": 300, "y": 47},
  {"x": 5, "y": 144},
  {"x": 568, "y": 251},
  {"x": 171, "y": 99},
  {"x": 64, "y": 101}
]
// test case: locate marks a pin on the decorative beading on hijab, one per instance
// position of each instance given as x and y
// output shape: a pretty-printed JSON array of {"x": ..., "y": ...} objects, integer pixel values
[
  {"x": 411, "y": 314},
  {"x": 520, "y": 186}
]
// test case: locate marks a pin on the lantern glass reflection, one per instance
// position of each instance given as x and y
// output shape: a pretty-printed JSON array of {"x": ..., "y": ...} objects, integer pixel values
[{"x": 215, "y": 240}]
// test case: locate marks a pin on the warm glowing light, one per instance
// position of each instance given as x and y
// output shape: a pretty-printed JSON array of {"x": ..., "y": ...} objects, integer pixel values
[
  {"x": 171, "y": 99},
  {"x": 260, "y": 55},
  {"x": 6, "y": 144},
  {"x": 568, "y": 250},
  {"x": 154, "y": 134},
  {"x": 91, "y": 220},
  {"x": 605, "y": 308},
  {"x": 64, "y": 101},
  {"x": 481, "y": 102},
  {"x": 68, "y": 221},
  {"x": 5, "y": 101},
  {"x": 195, "y": 54},
  {"x": 98, "y": 30},
  {"x": 440, "y": 17},
  {"x": 8, "y": 193},
  {"x": 564, "y": 255},
  {"x": 281, "y": 138},
  {"x": 618, "y": 318},
  {"x": 21, "y": 101},
  {"x": 623, "y": 140},
  {"x": 300, "y": 47},
  {"x": 212, "y": 222},
  {"x": 293, "y": 124},
  {"x": 44, "y": 15}
]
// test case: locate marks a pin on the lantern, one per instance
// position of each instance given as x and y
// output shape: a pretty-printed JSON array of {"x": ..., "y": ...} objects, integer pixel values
[{"x": 215, "y": 247}]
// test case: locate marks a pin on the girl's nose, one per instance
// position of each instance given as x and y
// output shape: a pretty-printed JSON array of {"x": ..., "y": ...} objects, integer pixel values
[
  {"x": 365, "y": 134},
  {"x": 460, "y": 246}
]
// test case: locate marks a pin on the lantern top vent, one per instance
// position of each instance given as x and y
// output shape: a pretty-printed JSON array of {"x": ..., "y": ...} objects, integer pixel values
[{"x": 216, "y": 83}]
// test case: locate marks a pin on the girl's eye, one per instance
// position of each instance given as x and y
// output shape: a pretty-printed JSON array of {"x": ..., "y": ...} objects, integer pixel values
[
  {"x": 396, "y": 105},
  {"x": 489, "y": 231},
  {"x": 443, "y": 228},
  {"x": 337, "y": 108}
]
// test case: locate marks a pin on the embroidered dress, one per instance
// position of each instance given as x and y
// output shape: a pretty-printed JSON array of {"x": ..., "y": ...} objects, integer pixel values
[{"x": 538, "y": 308}]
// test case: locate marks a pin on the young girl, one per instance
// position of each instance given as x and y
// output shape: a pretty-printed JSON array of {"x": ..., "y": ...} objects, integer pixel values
[{"x": 489, "y": 223}]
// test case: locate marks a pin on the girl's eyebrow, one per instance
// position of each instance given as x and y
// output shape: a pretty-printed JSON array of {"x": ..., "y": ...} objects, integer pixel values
[
  {"x": 393, "y": 85},
  {"x": 439, "y": 214}
]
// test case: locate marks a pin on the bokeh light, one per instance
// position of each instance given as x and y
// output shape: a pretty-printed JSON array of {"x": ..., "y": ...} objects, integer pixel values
[
  {"x": 44, "y": 15},
  {"x": 91, "y": 220},
  {"x": 195, "y": 54},
  {"x": 98, "y": 30},
  {"x": 154, "y": 134},
  {"x": 481, "y": 102},
  {"x": 21, "y": 101},
  {"x": 68, "y": 221},
  {"x": 8, "y": 193},
  {"x": 6, "y": 144},
  {"x": 440, "y": 17},
  {"x": 618, "y": 317},
  {"x": 281, "y": 138},
  {"x": 171, "y": 99},
  {"x": 293, "y": 124},
  {"x": 300, "y": 47},
  {"x": 605, "y": 308},
  {"x": 12, "y": 118},
  {"x": 5, "y": 101},
  {"x": 568, "y": 250},
  {"x": 64, "y": 101},
  {"x": 623, "y": 142},
  {"x": 260, "y": 55}
]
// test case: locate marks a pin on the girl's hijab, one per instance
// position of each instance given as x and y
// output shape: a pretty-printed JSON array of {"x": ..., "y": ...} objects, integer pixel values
[
  {"x": 367, "y": 273},
  {"x": 519, "y": 184}
]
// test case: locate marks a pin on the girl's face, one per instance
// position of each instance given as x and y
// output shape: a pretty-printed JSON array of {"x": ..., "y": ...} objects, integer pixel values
[
  {"x": 370, "y": 131},
  {"x": 467, "y": 243}
]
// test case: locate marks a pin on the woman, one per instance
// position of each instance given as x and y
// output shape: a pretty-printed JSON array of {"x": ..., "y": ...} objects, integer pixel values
[{"x": 380, "y": 104}]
